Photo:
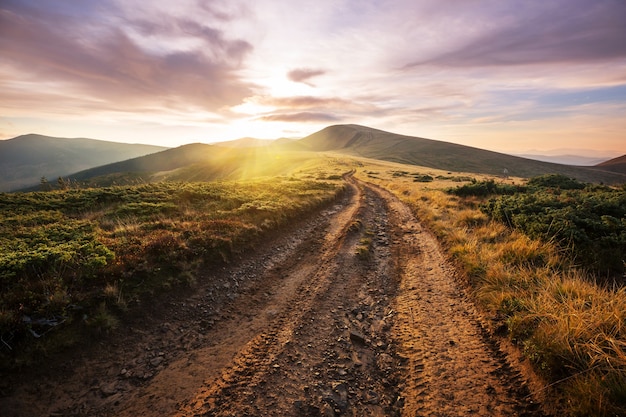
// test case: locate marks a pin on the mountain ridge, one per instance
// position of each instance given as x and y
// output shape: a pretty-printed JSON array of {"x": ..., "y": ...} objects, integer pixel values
[
  {"x": 232, "y": 158},
  {"x": 378, "y": 144},
  {"x": 25, "y": 159}
]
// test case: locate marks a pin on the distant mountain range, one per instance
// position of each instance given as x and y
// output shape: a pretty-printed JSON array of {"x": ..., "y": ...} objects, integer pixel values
[
  {"x": 27, "y": 158},
  {"x": 234, "y": 159},
  {"x": 566, "y": 159}
]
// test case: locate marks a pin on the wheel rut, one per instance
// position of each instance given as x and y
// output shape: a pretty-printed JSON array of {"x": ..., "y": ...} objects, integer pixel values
[
  {"x": 325, "y": 351},
  {"x": 454, "y": 366},
  {"x": 356, "y": 313}
]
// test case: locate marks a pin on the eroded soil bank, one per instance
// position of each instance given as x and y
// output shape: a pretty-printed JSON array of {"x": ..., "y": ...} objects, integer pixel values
[{"x": 356, "y": 312}]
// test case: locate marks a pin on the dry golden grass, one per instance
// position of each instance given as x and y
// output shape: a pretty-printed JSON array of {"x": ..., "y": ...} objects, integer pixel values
[{"x": 573, "y": 331}]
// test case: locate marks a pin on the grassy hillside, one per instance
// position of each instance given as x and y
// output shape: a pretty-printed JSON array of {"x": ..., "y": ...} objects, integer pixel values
[
  {"x": 248, "y": 157},
  {"x": 25, "y": 159},
  {"x": 202, "y": 162},
  {"x": 166, "y": 160},
  {"x": 377, "y": 144},
  {"x": 614, "y": 165}
]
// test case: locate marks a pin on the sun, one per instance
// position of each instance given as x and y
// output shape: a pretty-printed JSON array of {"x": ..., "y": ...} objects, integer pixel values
[
  {"x": 260, "y": 129},
  {"x": 273, "y": 88},
  {"x": 252, "y": 106}
]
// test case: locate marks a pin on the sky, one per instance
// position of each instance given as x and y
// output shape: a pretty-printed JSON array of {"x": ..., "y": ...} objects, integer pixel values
[{"x": 505, "y": 75}]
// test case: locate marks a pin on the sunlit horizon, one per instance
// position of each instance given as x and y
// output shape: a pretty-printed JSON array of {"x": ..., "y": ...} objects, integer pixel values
[{"x": 493, "y": 75}]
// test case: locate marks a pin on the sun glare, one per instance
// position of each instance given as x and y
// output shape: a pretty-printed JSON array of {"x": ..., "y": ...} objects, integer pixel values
[
  {"x": 251, "y": 127},
  {"x": 251, "y": 106}
]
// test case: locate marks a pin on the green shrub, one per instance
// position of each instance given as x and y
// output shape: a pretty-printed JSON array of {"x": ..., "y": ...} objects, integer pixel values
[
  {"x": 423, "y": 178},
  {"x": 555, "y": 181},
  {"x": 485, "y": 188},
  {"x": 588, "y": 222}
]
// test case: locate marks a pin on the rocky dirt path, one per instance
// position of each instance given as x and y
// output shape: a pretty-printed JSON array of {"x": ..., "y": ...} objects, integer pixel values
[
  {"x": 454, "y": 366},
  {"x": 355, "y": 312}
]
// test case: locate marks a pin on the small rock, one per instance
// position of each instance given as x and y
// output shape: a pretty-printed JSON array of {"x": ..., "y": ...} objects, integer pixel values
[
  {"x": 341, "y": 398},
  {"x": 109, "y": 389},
  {"x": 156, "y": 361},
  {"x": 341, "y": 388},
  {"x": 372, "y": 397},
  {"x": 327, "y": 411},
  {"x": 356, "y": 337}
]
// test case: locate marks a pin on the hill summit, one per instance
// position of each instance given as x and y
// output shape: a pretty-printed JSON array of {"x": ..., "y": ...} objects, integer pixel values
[{"x": 378, "y": 144}]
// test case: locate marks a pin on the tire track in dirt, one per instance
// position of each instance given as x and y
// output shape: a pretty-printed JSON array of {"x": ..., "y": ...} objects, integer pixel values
[
  {"x": 246, "y": 346},
  {"x": 454, "y": 367},
  {"x": 326, "y": 352}
]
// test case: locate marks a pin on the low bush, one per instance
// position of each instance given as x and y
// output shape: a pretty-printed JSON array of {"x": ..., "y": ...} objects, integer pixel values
[
  {"x": 485, "y": 188},
  {"x": 589, "y": 222}
]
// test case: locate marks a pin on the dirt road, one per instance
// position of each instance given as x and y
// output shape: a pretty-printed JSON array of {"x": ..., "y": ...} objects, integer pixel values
[{"x": 354, "y": 312}]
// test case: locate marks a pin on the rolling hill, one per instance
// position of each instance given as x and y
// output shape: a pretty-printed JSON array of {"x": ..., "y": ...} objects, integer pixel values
[
  {"x": 27, "y": 158},
  {"x": 201, "y": 162},
  {"x": 249, "y": 157},
  {"x": 566, "y": 159},
  {"x": 614, "y": 165},
  {"x": 377, "y": 144}
]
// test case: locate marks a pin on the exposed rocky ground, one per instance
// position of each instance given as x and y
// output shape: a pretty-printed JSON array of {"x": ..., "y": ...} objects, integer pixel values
[{"x": 353, "y": 312}]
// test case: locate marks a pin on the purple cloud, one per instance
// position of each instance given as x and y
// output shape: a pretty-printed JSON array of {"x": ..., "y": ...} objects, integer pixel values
[
  {"x": 321, "y": 105},
  {"x": 305, "y": 102},
  {"x": 97, "y": 58},
  {"x": 552, "y": 32},
  {"x": 300, "y": 117},
  {"x": 302, "y": 75}
]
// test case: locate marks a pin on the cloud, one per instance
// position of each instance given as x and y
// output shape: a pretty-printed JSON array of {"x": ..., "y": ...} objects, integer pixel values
[
  {"x": 223, "y": 68},
  {"x": 573, "y": 31},
  {"x": 300, "y": 117},
  {"x": 311, "y": 102},
  {"x": 302, "y": 75},
  {"x": 106, "y": 57},
  {"x": 307, "y": 101}
]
